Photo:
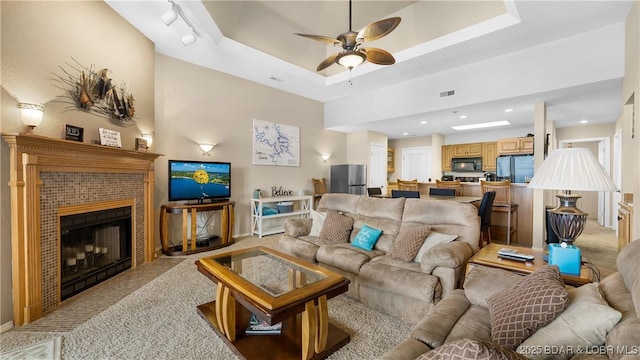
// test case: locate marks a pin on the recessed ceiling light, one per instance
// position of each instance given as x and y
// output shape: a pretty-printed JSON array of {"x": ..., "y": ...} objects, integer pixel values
[
  {"x": 584, "y": 121},
  {"x": 508, "y": 110},
  {"x": 423, "y": 122},
  {"x": 405, "y": 133},
  {"x": 481, "y": 125},
  {"x": 463, "y": 116}
]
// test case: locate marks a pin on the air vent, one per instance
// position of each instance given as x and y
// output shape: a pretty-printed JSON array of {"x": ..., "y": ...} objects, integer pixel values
[{"x": 447, "y": 93}]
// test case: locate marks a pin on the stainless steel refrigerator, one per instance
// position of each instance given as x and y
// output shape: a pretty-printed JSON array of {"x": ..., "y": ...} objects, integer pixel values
[
  {"x": 517, "y": 168},
  {"x": 349, "y": 179}
]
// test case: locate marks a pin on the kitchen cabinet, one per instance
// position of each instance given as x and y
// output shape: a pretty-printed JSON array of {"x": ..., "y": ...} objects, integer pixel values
[
  {"x": 446, "y": 157},
  {"x": 625, "y": 218},
  {"x": 515, "y": 146},
  {"x": 466, "y": 150},
  {"x": 489, "y": 154},
  {"x": 391, "y": 160}
]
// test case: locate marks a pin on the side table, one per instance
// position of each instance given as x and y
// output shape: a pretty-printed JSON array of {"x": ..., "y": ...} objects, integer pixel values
[{"x": 488, "y": 256}]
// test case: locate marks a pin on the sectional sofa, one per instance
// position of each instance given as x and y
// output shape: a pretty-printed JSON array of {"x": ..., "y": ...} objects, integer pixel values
[
  {"x": 600, "y": 320},
  {"x": 403, "y": 287}
]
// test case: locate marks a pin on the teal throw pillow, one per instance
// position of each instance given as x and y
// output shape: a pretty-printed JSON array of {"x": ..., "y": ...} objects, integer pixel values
[{"x": 366, "y": 238}]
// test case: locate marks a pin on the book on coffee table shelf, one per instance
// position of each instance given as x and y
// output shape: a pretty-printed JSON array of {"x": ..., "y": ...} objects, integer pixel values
[{"x": 258, "y": 326}]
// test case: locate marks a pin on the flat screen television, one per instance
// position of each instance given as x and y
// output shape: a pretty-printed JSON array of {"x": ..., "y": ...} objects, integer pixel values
[{"x": 199, "y": 180}]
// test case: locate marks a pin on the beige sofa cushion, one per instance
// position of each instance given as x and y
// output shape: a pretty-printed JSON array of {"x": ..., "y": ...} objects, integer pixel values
[
  {"x": 471, "y": 349},
  {"x": 629, "y": 267},
  {"x": 533, "y": 302},
  {"x": 481, "y": 282},
  {"x": 584, "y": 323}
]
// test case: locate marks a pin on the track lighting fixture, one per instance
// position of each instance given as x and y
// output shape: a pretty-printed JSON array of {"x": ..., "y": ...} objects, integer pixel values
[{"x": 171, "y": 15}]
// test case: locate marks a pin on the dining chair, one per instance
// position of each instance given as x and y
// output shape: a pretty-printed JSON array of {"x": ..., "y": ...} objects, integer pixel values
[
  {"x": 502, "y": 203},
  {"x": 374, "y": 191},
  {"x": 449, "y": 184},
  {"x": 319, "y": 189},
  {"x": 411, "y": 185},
  {"x": 405, "y": 194},
  {"x": 484, "y": 211},
  {"x": 442, "y": 192}
]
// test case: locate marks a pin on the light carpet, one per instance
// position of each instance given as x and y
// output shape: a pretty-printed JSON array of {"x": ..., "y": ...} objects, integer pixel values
[
  {"x": 599, "y": 245},
  {"x": 160, "y": 321}
]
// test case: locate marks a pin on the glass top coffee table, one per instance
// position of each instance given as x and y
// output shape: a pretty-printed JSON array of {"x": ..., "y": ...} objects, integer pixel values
[{"x": 276, "y": 288}]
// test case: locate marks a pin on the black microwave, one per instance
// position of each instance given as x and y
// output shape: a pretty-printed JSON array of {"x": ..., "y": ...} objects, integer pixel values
[{"x": 466, "y": 164}]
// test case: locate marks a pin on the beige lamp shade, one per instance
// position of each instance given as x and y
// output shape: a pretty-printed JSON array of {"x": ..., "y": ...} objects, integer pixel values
[{"x": 574, "y": 169}]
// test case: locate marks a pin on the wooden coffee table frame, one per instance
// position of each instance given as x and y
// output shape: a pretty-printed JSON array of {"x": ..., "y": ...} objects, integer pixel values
[{"x": 306, "y": 331}]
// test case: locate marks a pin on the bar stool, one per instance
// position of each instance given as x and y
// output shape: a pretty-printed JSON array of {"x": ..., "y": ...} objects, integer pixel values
[
  {"x": 453, "y": 184},
  {"x": 502, "y": 203},
  {"x": 411, "y": 185},
  {"x": 319, "y": 189}
]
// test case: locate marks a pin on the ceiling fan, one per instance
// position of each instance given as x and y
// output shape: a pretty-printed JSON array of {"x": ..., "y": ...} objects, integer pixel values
[{"x": 353, "y": 54}]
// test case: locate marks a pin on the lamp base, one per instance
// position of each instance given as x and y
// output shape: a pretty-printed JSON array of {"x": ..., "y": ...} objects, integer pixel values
[
  {"x": 567, "y": 258},
  {"x": 567, "y": 221}
]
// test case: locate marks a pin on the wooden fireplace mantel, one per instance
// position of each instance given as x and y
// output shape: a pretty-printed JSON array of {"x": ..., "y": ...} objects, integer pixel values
[{"x": 32, "y": 154}]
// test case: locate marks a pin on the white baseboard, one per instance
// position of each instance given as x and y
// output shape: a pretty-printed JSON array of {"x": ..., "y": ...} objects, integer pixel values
[{"x": 6, "y": 326}]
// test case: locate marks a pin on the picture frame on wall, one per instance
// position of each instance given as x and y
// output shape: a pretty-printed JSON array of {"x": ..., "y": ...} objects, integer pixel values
[
  {"x": 110, "y": 138},
  {"x": 141, "y": 144},
  {"x": 73, "y": 133}
]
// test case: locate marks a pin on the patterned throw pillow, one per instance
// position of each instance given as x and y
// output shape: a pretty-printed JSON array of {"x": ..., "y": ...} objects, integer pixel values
[
  {"x": 409, "y": 241},
  {"x": 366, "y": 238},
  {"x": 336, "y": 227},
  {"x": 531, "y": 303},
  {"x": 471, "y": 349}
]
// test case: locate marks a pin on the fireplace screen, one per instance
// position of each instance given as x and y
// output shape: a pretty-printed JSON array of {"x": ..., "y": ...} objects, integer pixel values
[{"x": 95, "y": 246}]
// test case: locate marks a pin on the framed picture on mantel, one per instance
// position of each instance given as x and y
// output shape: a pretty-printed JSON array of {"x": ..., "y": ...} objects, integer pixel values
[
  {"x": 74, "y": 133},
  {"x": 110, "y": 137}
]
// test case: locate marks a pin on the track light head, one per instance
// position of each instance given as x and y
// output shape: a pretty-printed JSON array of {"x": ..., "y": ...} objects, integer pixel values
[
  {"x": 169, "y": 16},
  {"x": 189, "y": 38}
]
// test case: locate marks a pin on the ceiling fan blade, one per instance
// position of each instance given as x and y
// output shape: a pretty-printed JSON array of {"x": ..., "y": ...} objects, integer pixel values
[
  {"x": 378, "y": 29},
  {"x": 327, "y": 62},
  {"x": 378, "y": 56},
  {"x": 324, "y": 39}
]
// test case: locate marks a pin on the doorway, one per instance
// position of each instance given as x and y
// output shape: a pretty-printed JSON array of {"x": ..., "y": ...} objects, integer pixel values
[
  {"x": 599, "y": 202},
  {"x": 416, "y": 163},
  {"x": 378, "y": 166}
]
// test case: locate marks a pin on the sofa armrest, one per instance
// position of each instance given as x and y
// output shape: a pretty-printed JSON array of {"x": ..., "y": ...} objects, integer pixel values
[
  {"x": 297, "y": 227},
  {"x": 409, "y": 349},
  {"x": 452, "y": 255},
  {"x": 434, "y": 327}
]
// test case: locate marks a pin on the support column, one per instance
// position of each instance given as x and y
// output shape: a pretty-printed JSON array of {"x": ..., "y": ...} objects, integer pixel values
[{"x": 539, "y": 131}]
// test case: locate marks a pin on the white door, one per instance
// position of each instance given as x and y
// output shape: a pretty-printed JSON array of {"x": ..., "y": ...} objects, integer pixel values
[
  {"x": 416, "y": 163},
  {"x": 378, "y": 166}
]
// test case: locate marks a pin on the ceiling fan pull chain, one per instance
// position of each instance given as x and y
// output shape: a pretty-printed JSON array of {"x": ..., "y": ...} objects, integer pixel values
[{"x": 350, "y": 83}]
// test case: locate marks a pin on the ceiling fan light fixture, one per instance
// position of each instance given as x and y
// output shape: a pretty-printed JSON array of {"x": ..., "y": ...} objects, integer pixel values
[{"x": 350, "y": 58}]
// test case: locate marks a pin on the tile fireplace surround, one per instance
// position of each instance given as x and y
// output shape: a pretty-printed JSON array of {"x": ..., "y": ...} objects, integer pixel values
[{"x": 50, "y": 175}]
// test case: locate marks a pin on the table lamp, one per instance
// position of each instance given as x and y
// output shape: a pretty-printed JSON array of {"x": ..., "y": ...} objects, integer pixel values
[{"x": 570, "y": 169}]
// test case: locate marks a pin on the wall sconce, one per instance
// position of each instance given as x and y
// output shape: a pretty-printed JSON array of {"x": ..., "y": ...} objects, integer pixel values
[
  {"x": 171, "y": 15},
  {"x": 206, "y": 148},
  {"x": 31, "y": 114},
  {"x": 148, "y": 138},
  {"x": 325, "y": 157}
]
